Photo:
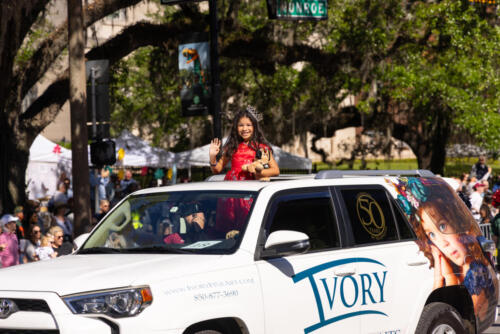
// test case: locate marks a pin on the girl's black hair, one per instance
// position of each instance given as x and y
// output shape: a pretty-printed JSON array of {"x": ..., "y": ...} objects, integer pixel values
[{"x": 234, "y": 138}]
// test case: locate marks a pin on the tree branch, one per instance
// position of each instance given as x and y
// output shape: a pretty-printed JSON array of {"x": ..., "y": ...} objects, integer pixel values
[
  {"x": 51, "y": 47},
  {"x": 16, "y": 20},
  {"x": 41, "y": 112}
]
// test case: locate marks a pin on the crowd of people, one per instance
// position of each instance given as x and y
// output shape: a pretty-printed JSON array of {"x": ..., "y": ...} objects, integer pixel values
[{"x": 43, "y": 230}]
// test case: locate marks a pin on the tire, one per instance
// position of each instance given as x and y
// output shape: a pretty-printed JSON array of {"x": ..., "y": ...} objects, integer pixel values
[{"x": 440, "y": 318}]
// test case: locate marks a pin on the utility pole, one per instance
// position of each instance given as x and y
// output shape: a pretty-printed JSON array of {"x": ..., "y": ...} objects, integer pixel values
[
  {"x": 78, "y": 106},
  {"x": 214, "y": 66}
]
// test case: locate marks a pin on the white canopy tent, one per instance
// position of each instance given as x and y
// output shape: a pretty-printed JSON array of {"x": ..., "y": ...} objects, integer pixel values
[
  {"x": 139, "y": 153},
  {"x": 199, "y": 157},
  {"x": 47, "y": 162}
]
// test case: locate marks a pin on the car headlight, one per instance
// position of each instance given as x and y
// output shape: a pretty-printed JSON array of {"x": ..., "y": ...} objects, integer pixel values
[{"x": 115, "y": 303}]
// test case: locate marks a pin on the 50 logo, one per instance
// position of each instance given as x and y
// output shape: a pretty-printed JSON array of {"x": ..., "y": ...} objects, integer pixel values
[{"x": 371, "y": 216}]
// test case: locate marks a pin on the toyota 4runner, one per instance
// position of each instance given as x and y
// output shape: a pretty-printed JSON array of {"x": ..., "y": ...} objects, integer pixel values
[{"x": 340, "y": 251}]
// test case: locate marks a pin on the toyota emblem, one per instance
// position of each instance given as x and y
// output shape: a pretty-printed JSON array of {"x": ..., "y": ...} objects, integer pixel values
[{"x": 7, "y": 307}]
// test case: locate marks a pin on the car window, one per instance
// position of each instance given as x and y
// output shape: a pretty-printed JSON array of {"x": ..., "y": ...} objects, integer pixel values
[
  {"x": 405, "y": 231},
  {"x": 370, "y": 215},
  {"x": 309, "y": 213},
  {"x": 187, "y": 221}
]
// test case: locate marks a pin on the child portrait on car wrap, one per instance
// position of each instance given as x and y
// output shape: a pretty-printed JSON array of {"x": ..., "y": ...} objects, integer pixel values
[{"x": 449, "y": 237}]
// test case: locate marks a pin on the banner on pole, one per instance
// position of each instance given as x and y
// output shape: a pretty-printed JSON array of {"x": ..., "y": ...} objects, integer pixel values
[{"x": 194, "y": 70}]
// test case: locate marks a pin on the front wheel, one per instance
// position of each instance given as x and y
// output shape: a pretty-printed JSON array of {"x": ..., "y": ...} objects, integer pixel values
[{"x": 440, "y": 318}]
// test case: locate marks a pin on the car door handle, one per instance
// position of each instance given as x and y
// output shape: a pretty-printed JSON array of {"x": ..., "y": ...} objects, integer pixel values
[
  {"x": 345, "y": 271},
  {"x": 419, "y": 262}
]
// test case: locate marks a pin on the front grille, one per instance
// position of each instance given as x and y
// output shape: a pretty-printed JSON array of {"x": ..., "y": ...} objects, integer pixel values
[
  {"x": 28, "y": 331},
  {"x": 32, "y": 305}
]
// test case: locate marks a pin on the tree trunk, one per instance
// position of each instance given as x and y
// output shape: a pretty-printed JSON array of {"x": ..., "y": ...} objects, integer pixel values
[
  {"x": 78, "y": 106},
  {"x": 428, "y": 141},
  {"x": 14, "y": 152}
]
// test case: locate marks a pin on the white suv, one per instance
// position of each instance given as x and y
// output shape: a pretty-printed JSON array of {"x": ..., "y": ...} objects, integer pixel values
[{"x": 346, "y": 252}]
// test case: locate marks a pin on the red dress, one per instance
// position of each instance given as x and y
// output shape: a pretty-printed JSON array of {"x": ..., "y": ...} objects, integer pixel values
[{"x": 232, "y": 213}]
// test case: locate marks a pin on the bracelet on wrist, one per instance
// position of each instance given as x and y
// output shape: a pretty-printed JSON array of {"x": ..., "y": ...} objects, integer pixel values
[{"x": 213, "y": 165}]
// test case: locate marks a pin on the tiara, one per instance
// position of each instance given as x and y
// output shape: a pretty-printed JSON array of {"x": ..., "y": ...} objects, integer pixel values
[
  {"x": 257, "y": 115},
  {"x": 229, "y": 115}
]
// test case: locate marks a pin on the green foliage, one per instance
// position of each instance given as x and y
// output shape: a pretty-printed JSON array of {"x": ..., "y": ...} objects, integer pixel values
[
  {"x": 145, "y": 95},
  {"x": 440, "y": 59},
  {"x": 450, "y": 66}
]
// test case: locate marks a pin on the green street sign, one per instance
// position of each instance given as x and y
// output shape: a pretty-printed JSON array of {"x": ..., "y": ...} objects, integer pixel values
[{"x": 302, "y": 9}]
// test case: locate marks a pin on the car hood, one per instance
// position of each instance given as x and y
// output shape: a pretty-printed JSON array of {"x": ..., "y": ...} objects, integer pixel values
[{"x": 79, "y": 273}]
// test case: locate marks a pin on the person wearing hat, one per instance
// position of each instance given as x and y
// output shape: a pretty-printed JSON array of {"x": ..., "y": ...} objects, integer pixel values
[
  {"x": 476, "y": 198},
  {"x": 9, "y": 256},
  {"x": 195, "y": 223}
]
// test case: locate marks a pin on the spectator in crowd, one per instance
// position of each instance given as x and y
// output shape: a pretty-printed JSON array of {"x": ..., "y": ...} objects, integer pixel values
[
  {"x": 32, "y": 243},
  {"x": 485, "y": 214},
  {"x": 19, "y": 213},
  {"x": 63, "y": 222},
  {"x": 476, "y": 198},
  {"x": 59, "y": 196},
  {"x": 103, "y": 181},
  {"x": 69, "y": 190},
  {"x": 460, "y": 190},
  {"x": 480, "y": 170},
  {"x": 495, "y": 223},
  {"x": 9, "y": 256},
  {"x": 128, "y": 184},
  {"x": 59, "y": 245},
  {"x": 113, "y": 190},
  {"x": 45, "y": 219},
  {"x": 103, "y": 210},
  {"x": 31, "y": 210},
  {"x": 496, "y": 185},
  {"x": 46, "y": 251}
]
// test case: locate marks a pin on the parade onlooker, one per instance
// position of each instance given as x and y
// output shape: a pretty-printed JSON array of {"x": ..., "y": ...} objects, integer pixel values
[
  {"x": 45, "y": 251},
  {"x": 495, "y": 223},
  {"x": 63, "y": 222},
  {"x": 59, "y": 245},
  {"x": 113, "y": 194},
  {"x": 480, "y": 170},
  {"x": 60, "y": 195},
  {"x": 10, "y": 254},
  {"x": 31, "y": 244},
  {"x": 103, "y": 210},
  {"x": 19, "y": 213},
  {"x": 485, "y": 214},
  {"x": 69, "y": 190},
  {"x": 128, "y": 184},
  {"x": 476, "y": 198},
  {"x": 496, "y": 185}
]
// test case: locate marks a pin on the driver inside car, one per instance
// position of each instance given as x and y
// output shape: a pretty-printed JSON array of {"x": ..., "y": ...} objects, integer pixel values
[{"x": 194, "y": 217}]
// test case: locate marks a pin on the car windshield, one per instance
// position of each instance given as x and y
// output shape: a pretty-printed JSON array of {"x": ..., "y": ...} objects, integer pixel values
[{"x": 201, "y": 222}]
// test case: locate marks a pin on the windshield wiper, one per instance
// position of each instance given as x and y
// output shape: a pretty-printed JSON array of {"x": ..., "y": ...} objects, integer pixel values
[
  {"x": 100, "y": 250},
  {"x": 157, "y": 249}
]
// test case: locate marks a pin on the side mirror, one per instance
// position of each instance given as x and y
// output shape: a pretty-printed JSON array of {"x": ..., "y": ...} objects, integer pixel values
[
  {"x": 79, "y": 240},
  {"x": 283, "y": 243}
]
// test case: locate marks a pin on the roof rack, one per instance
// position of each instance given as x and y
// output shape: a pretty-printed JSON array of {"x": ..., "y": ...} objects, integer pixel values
[
  {"x": 281, "y": 177},
  {"x": 338, "y": 174}
]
